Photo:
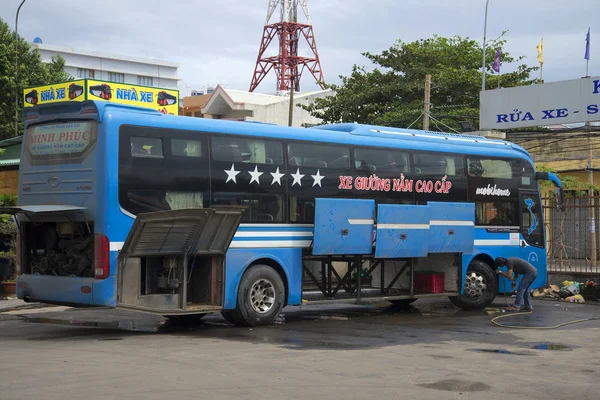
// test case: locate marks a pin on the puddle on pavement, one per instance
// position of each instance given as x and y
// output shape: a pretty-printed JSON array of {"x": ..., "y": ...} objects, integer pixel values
[
  {"x": 294, "y": 344},
  {"x": 503, "y": 351},
  {"x": 457, "y": 385},
  {"x": 552, "y": 346},
  {"x": 111, "y": 338}
]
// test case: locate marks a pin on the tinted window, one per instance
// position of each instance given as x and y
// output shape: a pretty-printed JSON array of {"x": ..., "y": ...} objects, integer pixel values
[
  {"x": 438, "y": 164},
  {"x": 186, "y": 148},
  {"x": 148, "y": 200},
  {"x": 381, "y": 160},
  {"x": 496, "y": 213},
  {"x": 255, "y": 151},
  {"x": 318, "y": 156},
  {"x": 146, "y": 147},
  {"x": 531, "y": 219},
  {"x": 150, "y": 182},
  {"x": 261, "y": 207},
  {"x": 489, "y": 168},
  {"x": 302, "y": 209}
]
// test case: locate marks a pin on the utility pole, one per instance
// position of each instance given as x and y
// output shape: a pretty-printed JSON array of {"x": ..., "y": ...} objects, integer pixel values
[
  {"x": 291, "y": 111},
  {"x": 592, "y": 201},
  {"x": 17, "y": 94},
  {"x": 484, "y": 34},
  {"x": 427, "y": 103}
]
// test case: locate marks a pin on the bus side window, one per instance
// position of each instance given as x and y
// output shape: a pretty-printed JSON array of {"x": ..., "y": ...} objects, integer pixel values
[
  {"x": 186, "y": 148},
  {"x": 146, "y": 147},
  {"x": 490, "y": 168},
  {"x": 318, "y": 156},
  {"x": 375, "y": 160},
  {"x": 438, "y": 164},
  {"x": 499, "y": 213},
  {"x": 260, "y": 207},
  {"x": 302, "y": 209},
  {"x": 254, "y": 151}
]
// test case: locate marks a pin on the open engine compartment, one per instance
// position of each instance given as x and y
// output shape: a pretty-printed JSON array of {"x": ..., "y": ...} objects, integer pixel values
[{"x": 57, "y": 248}]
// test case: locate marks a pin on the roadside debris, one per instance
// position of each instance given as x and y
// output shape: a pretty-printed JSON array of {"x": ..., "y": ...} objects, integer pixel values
[{"x": 574, "y": 292}]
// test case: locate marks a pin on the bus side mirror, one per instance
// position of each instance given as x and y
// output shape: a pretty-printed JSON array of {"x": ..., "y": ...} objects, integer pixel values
[
  {"x": 559, "y": 194},
  {"x": 560, "y": 199}
]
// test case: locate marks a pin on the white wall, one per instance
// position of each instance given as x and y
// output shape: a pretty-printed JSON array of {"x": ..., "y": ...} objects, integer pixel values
[
  {"x": 278, "y": 113},
  {"x": 162, "y": 76}
]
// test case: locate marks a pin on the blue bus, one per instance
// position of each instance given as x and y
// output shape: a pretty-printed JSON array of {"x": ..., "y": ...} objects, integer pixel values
[{"x": 122, "y": 206}]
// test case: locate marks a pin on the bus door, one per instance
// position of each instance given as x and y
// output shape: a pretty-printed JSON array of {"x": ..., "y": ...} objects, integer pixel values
[
  {"x": 532, "y": 246},
  {"x": 174, "y": 261}
]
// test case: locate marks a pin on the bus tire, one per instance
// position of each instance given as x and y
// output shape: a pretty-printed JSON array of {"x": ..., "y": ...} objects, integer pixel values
[
  {"x": 260, "y": 299},
  {"x": 481, "y": 287}
]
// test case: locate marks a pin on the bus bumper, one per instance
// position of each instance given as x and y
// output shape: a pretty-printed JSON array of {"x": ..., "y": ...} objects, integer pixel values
[{"x": 67, "y": 290}]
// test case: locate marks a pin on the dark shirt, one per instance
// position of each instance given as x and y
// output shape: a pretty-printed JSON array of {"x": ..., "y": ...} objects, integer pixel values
[{"x": 520, "y": 266}]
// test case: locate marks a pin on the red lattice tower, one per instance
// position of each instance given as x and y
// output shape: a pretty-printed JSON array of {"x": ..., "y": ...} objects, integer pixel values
[{"x": 288, "y": 65}]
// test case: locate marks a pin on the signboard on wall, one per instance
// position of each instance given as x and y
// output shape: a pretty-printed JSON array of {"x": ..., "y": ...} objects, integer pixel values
[
  {"x": 163, "y": 100},
  {"x": 563, "y": 102}
]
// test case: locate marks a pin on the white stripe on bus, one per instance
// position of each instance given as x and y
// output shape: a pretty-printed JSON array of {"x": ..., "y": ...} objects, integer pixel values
[
  {"x": 117, "y": 246},
  {"x": 457, "y": 223},
  {"x": 494, "y": 242},
  {"x": 402, "y": 226},
  {"x": 360, "y": 221},
  {"x": 269, "y": 243},
  {"x": 260, "y": 234}
]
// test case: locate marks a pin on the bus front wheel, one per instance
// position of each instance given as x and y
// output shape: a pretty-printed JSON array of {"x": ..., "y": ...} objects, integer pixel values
[
  {"x": 260, "y": 298},
  {"x": 481, "y": 287}
]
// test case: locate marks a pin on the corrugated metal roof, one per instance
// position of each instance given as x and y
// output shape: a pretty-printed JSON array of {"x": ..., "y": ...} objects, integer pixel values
[
  {"x": 7, "y": 163},
  {"x": 11, "y": 141},
  {"x": 11, "y": 153}
]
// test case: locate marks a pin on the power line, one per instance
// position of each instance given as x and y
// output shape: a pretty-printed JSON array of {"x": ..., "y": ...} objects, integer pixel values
[{"x": 562, "y": 139}]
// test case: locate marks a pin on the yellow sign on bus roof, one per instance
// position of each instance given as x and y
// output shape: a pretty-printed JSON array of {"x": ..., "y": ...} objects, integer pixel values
[
  {"x": 163, "y": 100},
  {"x": 74, "y": 90}
]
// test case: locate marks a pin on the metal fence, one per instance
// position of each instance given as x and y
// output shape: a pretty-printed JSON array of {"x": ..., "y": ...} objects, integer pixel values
[{"x": 569, "y": 235}]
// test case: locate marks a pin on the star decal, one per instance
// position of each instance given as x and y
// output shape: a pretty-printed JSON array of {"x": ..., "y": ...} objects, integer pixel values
[
  {"x": 297, "y": 178},
  {"x": 276, "y": 177},
  {"x": 231, "y": 174},
  {"x": 255, "y": 175},
  {"x": 318, "y": 178}
]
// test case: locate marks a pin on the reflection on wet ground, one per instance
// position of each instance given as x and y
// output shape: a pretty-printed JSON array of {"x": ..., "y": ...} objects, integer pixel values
[
  {"x": 456, "y": 385},
  {"x": 552, "y": 346},
  {"x": 504, "y": 351},
  {"x": 335, "y": 327}
]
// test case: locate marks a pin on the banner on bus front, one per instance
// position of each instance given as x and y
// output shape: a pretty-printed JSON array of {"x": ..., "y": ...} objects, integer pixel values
[{"x": 164, "y": 100}]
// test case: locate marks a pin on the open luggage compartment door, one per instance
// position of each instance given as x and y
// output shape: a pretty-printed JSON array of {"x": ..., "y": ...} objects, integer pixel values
[
  {"x": 43, "y": 213},
  {"x": 169, "y": 255}
]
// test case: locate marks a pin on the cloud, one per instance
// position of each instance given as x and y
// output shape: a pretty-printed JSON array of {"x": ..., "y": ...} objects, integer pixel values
[{"x": 218, "y": 40}]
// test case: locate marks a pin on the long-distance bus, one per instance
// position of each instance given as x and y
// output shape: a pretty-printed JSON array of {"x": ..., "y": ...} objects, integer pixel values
[{"x": 127, "y": 207}]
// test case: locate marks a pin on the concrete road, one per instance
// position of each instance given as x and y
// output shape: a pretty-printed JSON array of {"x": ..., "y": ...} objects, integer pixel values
[{"x": 345, "y": 352}]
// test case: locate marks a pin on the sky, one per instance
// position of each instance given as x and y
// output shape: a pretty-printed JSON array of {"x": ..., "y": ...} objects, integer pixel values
[{"x": 217, "y": 41}]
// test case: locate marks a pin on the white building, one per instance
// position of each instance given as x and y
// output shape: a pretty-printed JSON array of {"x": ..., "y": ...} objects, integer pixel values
[
  {"x": 248, "y": 106},
  {"x": 115, "y": 68}
]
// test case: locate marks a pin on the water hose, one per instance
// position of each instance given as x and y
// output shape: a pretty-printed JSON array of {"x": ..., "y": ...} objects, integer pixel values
[{"x": 531, "y": 312}]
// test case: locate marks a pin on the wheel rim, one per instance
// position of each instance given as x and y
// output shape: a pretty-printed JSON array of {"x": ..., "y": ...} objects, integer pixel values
[
  {"x": 262, "y": 296},
  {"x": 475, "y": 285}
]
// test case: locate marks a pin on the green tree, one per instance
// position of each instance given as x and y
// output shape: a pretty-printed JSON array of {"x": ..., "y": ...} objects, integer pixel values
[
  {"x": 392, "y": 92},
  {"x": 32, "y": 71}
]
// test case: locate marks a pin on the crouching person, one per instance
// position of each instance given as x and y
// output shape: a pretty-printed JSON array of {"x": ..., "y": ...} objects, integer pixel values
[{"x": 517, "y": 266}]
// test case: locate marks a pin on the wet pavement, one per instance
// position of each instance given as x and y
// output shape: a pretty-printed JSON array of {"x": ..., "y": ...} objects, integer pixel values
[{"x": 430, "y": 351}]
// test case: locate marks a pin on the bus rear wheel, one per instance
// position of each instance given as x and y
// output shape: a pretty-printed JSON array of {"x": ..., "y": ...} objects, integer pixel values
[
  {"x": 481, "y": 287},
  {"x": 260, "y": 299}
]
